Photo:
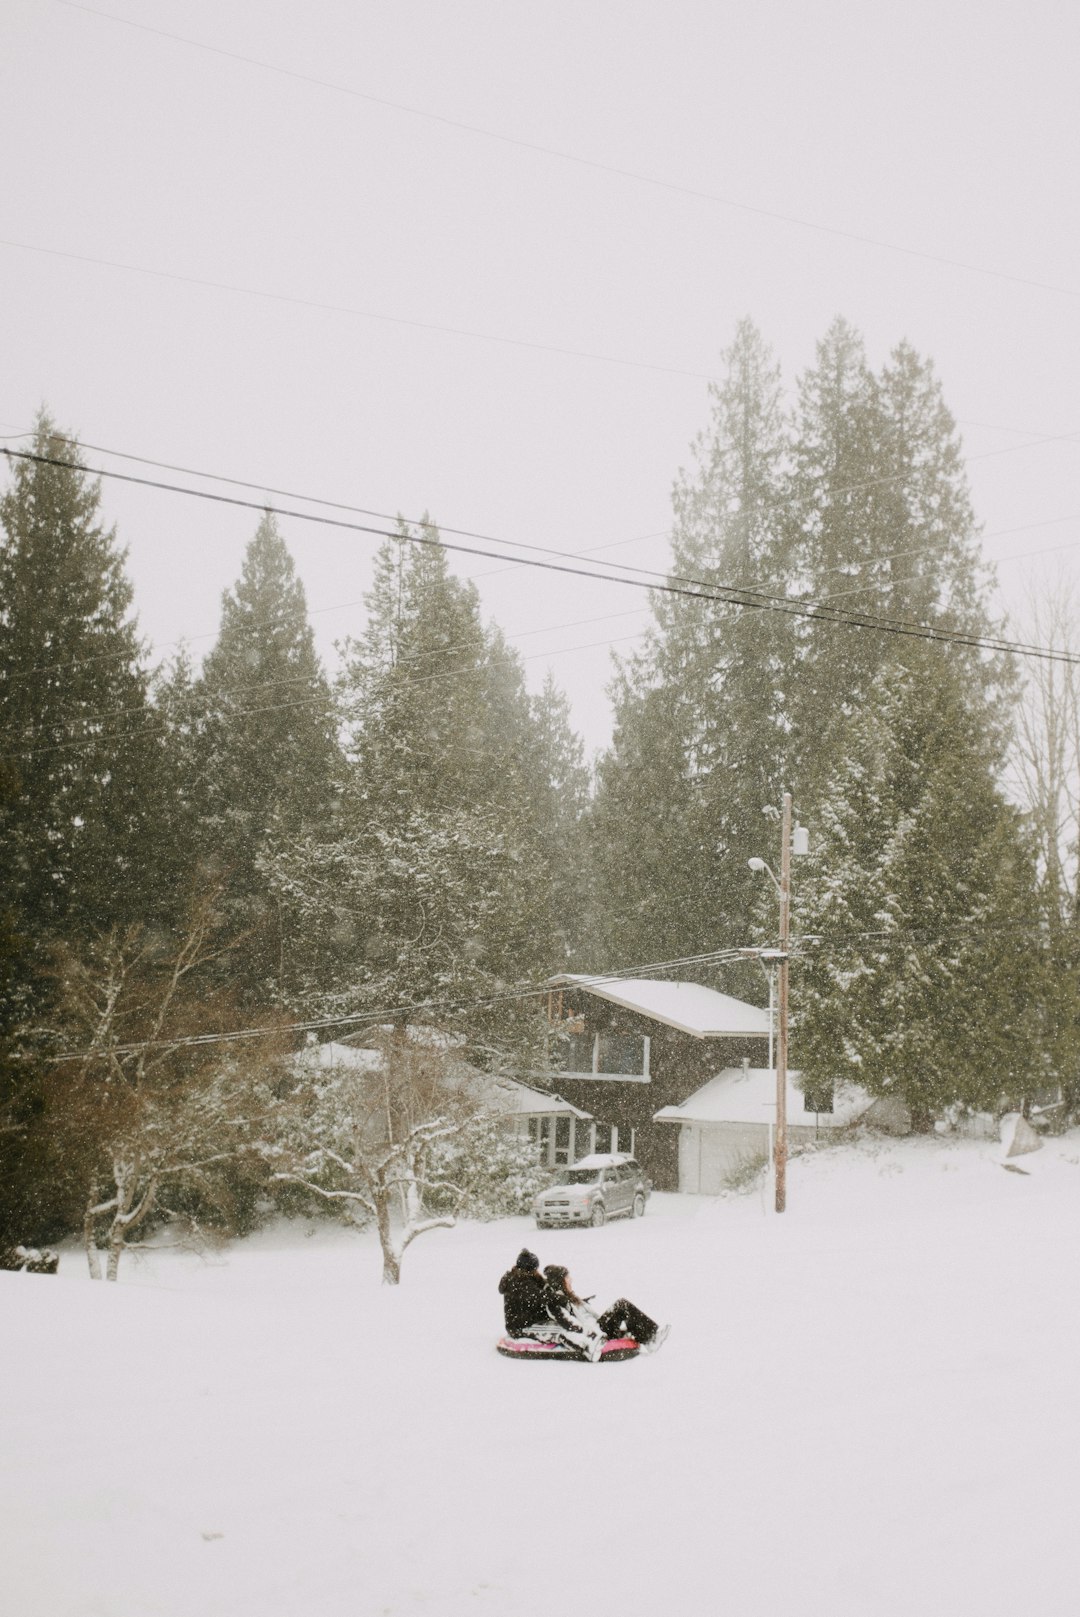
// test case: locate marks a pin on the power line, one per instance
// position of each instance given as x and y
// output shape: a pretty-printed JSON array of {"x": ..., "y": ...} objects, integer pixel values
[
  {"x": 360, "y": 1019},
  {"x": 345, "y": 308},
  {"x": 575, "y": 158},
  {"x": 736, "y": 595},
  {"x": 410, "y": 680},
  {"x": 367, "y": 1018},
  {"x": 83, "y": 742},
  {"x": 645, "y": 572}
]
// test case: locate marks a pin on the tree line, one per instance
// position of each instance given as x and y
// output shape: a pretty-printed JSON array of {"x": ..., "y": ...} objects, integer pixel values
[{"x": 253, "y": 843}]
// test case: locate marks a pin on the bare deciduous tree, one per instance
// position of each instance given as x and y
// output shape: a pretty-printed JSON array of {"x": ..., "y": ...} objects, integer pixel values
[
  {"x": 153, "y": 1099},
  {"x": 367, "y": 1129},
  {"x": 1046, "y": 768}
]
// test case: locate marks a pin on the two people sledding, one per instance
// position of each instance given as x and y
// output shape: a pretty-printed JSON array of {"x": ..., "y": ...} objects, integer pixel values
[{"x": 544, "y": 1306}]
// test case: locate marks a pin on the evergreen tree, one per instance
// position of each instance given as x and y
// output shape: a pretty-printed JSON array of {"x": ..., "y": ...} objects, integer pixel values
[
  {"x": 77, "y": 835},
  {"x": 78, "y": 785},
  {"x": 434, "y": 703},
  {"x": 562, "y": 799},
  {"x": 438, "y": 879},
  {"x": 700, "y": 714},
  {"x": 266, "y": 756},
  {"x": 183, "y": 808},
  {"x": 925, "y": 978},
  {"x": 879, "y": 520}
]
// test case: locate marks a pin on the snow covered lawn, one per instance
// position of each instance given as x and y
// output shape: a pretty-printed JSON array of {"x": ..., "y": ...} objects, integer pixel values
[{"x": 868, "y": 1406}]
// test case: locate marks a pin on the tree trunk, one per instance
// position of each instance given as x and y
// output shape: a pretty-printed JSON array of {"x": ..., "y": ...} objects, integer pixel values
[
  {"x": 88, "y": 1235},
  {"x": 116, "y": 1247},
  {"x": 391, "y": 1272}
]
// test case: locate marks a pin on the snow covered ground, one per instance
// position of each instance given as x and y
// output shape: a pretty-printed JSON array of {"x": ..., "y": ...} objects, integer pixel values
[{"x": 869, "y": 1405}]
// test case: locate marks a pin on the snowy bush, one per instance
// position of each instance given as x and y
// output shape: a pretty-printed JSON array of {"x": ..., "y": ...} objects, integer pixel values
[
  {"x": 498, "y": 1172},
  {"x": 745, "y": 1172}
]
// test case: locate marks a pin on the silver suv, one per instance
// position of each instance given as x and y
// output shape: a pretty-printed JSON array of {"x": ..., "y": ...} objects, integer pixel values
[{"x": 592, "y": 1191}]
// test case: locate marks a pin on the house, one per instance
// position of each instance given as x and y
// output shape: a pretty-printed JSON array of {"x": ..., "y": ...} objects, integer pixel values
[
  {"x": 725, "y": 1127},
  {"x": 629, "y": 1046},
  {"x": 533, "y": 1114},
  {"x": 553, "y": 1124}
]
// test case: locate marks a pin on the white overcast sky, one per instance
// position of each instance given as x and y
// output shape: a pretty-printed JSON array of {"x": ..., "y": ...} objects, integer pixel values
[{"x": 948, "y": 129}]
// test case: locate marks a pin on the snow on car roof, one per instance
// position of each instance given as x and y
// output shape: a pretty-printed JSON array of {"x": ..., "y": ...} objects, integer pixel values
[
  {"x": 691, "y": 1007},
  {"x": 603, "y": 1159}
]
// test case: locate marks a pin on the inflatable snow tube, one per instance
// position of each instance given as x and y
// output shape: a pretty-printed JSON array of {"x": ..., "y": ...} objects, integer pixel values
[{"x": 528, "y": 1347}]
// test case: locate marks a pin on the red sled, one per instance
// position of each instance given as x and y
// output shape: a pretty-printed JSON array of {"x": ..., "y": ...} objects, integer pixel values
[{"x": 526, "y": 1347}]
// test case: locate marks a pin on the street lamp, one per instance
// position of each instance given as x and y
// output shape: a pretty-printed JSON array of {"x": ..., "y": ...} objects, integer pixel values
[{"x": 799, "y": 844}]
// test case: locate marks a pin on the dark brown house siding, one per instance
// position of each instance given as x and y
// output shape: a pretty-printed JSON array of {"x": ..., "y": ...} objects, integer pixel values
[{"x": 678, "y": 1065}]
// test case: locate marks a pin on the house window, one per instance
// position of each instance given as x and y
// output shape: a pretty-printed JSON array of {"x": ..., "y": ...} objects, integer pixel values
[
  {"x": 541, "y": 1133},
  {"x": 579, "y": 1052},
  {"x": 621, "y": 1053},
  {"x": 584, "y": 1140},
  {"x": 818, "y": 1097},
  {"x": 614, "y": 1056}
]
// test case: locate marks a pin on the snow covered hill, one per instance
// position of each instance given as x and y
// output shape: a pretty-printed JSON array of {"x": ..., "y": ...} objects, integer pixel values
[{"x": 867, "y": 1406}]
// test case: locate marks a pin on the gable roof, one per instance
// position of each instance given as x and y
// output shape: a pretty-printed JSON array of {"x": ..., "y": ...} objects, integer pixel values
[
  {"x": 690, "y": 1007},
  {"x": 507, "y": 1096},
  {"x": 512, "y": 1098},
  {"x": 748, "y": 1095}
]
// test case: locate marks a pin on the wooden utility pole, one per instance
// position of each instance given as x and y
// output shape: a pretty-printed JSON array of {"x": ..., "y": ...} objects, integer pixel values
[{"x": 782, "y": 996}]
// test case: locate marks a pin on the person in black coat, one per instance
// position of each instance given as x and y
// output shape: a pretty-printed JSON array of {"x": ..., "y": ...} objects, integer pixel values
[{"x": 522, "y": 1291}]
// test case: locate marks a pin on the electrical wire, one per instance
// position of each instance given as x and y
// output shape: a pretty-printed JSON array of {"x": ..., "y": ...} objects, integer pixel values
[
  {"x": 740, "y": 596},
  {"x": 360, "y": 1019},
  {"x": 646, "y": 572},
  {"x": 582, "y": 162},
  {"x": 207, "y": 284},
  {"x": 369, "y": 1018},
  {"x": 151, "y": 728},
  {"x": 409, "y": 679}
]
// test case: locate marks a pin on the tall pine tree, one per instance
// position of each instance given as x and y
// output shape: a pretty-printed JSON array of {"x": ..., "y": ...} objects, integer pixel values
[
  {"x": 266, "y": 757},
  {"x": 701, "y": 713},
  {"x": 925, "y": 976},
  {"x": 76, "y": 834},
  {"x": 438, "y": 880}
]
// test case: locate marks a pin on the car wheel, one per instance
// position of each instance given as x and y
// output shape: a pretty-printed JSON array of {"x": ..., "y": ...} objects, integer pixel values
[
  {"x": 599, "y": 1216},
  {"x": 639, "y": 1205}
]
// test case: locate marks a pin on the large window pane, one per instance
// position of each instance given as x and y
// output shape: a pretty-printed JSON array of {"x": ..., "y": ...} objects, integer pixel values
[
  {"x": 621, "y": 1053},
  {"x": 578, "y": 1053}
]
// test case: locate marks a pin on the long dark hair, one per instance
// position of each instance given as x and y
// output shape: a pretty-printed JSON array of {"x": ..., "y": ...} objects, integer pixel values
[{"x": 555, "y": 1275}]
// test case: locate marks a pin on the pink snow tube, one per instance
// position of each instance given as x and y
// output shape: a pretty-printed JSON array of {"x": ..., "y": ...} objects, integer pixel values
[{"x": 527, "y": 1347}]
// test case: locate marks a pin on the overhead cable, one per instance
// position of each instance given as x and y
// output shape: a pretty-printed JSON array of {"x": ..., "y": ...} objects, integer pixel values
[
  {"x": 740, "y": 596},
  {"x": 613, "y": 169}
]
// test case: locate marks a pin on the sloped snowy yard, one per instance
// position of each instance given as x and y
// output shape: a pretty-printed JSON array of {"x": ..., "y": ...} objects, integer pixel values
[{"x": 869, "y": 1405}]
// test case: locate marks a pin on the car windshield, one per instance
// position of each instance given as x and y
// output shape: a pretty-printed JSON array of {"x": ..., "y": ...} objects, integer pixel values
[{"x": 576, "y": 1176}]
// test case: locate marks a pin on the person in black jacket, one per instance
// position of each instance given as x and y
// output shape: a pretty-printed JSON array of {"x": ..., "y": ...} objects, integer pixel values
[{"x": 522, "y": 1291}]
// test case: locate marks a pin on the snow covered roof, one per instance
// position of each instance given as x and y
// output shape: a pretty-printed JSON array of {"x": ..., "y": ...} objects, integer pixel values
[
  {"x": 516, "y": 1099},
  {"x": 505, "y": 1095},
  {"x": 691, "y": 1007},
  {"x": 748, "y": 1095},
  {"x": 339, "y": 1055}
]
